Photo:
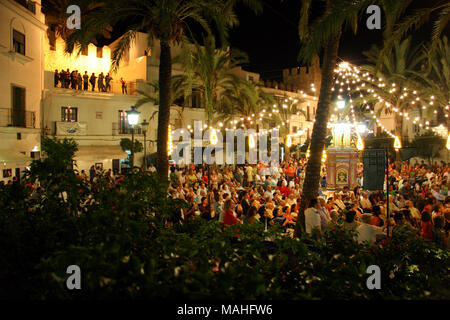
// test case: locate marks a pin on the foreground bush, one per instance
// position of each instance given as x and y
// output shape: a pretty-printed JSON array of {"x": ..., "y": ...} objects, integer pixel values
[{"x": 120, "y": 240}]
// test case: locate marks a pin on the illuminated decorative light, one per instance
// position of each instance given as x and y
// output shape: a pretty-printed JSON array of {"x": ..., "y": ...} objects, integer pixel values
[
  {"x": 251, "y": 141},
  {"x": 397, "y": 144},
  {"x": 288, "y": 141},
  {"x": 359, "y": 143},
  {"x": 213, "y": 137},
  {"x": 169, "y": 142}
]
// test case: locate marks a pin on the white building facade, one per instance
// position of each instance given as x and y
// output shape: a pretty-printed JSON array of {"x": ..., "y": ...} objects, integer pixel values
[{"x": 22, "y": 33}]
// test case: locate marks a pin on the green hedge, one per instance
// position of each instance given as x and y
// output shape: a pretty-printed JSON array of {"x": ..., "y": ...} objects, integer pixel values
[{"x": 125, "y": 250}]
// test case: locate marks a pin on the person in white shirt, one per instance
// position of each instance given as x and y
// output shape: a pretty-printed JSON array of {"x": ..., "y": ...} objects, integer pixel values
[
  {"x": 366, "y": 231},
  {"x": 365, "y": 202},
  {"x": 269, "y": 192},
  {"x": 414, "y": 211},
  {"x": 312, "y": 217},
  {"x": 338, "y": 202},
  {"x": 429, "y": 175}
]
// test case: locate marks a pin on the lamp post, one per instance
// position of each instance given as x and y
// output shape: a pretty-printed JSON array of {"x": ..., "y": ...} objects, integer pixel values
[
  {"x": 213, "y": 141},
  {"x": 144, "y": 126},
  {"x": 133, "y": 119}
]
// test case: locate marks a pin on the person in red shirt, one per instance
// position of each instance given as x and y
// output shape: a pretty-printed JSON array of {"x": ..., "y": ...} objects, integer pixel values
[
  {"x": 426, "y": 226},
  {"x": 228, "y": 216},
  {"x": 284, "y": 189}
]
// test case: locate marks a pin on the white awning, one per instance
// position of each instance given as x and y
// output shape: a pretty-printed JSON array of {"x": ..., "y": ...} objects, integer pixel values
[
  {"x": 100, "y": 153},
  {"x": 13, "y": 156}
]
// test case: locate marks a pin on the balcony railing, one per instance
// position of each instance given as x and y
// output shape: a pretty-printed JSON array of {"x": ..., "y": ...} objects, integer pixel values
[
  {"x": 27, "y": 4},
  {"x": 116, "y": 87},
  {"x": 17, "y": 118},
  {"x": 119, "y": 128}
]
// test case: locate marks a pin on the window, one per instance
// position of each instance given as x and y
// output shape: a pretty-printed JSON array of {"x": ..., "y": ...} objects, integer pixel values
[
  {"x": 84, "y": 52},
  {"x": 294, "y": 129},
  {"x": 123, "y": 123},
  {"x": 308, "y": 118},
  {"x": 7, "y": 173},
  {"x": 18, "y": 42},
  {"x": 196, "y": 98},
  {"x": 99, "y": 52},
  {"x": 69, "y": 114},
  {"x": 18, "y": 106},
  {"x": 251, "y": 79}
]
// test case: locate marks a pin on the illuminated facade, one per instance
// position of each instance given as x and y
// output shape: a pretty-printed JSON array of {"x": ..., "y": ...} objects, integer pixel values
[
  {"x": 342, "y": 158},
  {"x": 22, "y": 32}
]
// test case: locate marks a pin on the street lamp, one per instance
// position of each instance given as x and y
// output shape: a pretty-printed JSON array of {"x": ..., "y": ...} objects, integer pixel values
[
  {"x": 133, "y": 119},
  {"x": 213, "y": 139},
  {"x": 144, "y": 126},
  {"x": 340, "y": 104}
]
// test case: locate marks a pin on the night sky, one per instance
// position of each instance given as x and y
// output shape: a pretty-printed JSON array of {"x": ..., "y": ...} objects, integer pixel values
[{"x": 271, "y": 38}]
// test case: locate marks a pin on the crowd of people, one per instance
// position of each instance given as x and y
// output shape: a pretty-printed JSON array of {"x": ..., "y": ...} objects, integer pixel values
[
  {"x": 418, "y": 199},
  {"x": 75, "y": 80}
]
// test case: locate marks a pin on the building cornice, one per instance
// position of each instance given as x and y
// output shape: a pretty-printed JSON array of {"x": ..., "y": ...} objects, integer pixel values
[{"x": 24, "y": 13}]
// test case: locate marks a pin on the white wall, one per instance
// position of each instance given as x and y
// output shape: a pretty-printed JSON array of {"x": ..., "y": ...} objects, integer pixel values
[{"x": 23, "y": 71}]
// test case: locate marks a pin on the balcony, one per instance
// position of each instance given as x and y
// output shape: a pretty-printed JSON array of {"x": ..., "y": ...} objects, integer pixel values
[
  {"x": 118, "y": 128},
  {"x": 28, "y": 4},
  {"x": 116, "y": 88},
  {"x": 17, "y": 118}
]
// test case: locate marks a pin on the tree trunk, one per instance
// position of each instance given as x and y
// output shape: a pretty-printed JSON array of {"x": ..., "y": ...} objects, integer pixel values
[
  {"x": 313, "y": 169},
  {"x": 165, "y": 74},
  {"x": 399, "y": 126}
]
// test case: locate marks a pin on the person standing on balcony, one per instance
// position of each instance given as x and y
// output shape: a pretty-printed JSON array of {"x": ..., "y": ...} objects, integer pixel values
[
  {"x": 62, "y": 78},
  {"x": 124, "y": 86},
  {"x": 67, "y": 79},
  {"x": 79, "y": 80},
  {"x": 56, "y": 78},
  {"x": 92, "y": 81},
  {"x": 108, "y": 82},
  {"x": 100, "y": 82},
  {"x": 73, "y": 80},
  {"x": 85, "y": 81}
]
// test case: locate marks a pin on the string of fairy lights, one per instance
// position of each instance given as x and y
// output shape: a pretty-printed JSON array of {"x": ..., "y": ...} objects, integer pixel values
[{"x": 350, "y": 81}]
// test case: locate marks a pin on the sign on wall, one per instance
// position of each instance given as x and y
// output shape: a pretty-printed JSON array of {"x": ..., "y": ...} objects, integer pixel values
[{"x": 71, "y": 128}]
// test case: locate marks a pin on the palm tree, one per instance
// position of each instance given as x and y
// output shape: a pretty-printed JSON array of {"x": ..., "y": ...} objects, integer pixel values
[
  {"x": 324, "y": 32},
  {"x": 179, "y": 95},
  {"x": 435, "y": 82},
  {"x": 417, "y": 19},
  {"x": 245, "y": 100},
  {"x": 208, "y": 69},
  {"x": 168, "y": 21},
  {"x": 397, "y": 72},
  {"x": 288, "y": 108},
  {"x": 285, "y": 111},
  {"x": 56, "y": 18}
]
